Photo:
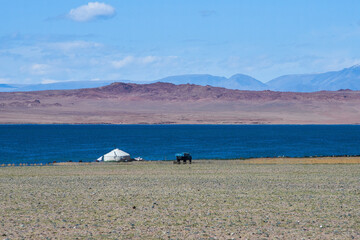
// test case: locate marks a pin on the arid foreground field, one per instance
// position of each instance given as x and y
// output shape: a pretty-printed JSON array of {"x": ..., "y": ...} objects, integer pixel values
[{"x": 157, "y": 200}]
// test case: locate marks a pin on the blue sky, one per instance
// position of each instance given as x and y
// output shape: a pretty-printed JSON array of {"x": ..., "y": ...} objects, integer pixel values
[{"x": 45, "y": 41}]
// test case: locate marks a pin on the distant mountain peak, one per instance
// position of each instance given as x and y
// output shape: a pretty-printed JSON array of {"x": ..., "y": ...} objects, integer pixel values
[
  {"x": 240, "y": 75},
  {"x": 237, "y": 81},
  {"x": 356, "y": 66}
]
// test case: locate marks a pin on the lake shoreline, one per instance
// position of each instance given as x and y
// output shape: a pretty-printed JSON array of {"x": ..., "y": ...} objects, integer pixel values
[{"x": 280, "y": 160}]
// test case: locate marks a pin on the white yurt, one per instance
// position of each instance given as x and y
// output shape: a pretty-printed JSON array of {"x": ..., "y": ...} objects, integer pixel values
[{"x": 115, "y": 155}]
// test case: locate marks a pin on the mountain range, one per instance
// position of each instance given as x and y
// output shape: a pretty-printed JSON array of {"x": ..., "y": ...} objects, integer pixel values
[
  {"x": 167, "y": 103},
  {"x": 348, "y": 78}
]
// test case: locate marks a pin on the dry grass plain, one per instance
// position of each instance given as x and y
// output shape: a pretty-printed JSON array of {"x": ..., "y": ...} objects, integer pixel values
[{"x": 159, "y": 200}]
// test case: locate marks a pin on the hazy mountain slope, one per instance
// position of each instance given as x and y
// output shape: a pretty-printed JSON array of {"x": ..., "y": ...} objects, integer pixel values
[
  {"x": 62, "y": 85},
  {"x": 244, "y": 82},
  {"x": 348, "y": 78},
  {"x": 293, "y": 83},
  {"x": 6, "y": 87},
  {"x": 198, "y": 79},
  {"x": 238, "y": 81},
  {"x": 2, "y": 85}
]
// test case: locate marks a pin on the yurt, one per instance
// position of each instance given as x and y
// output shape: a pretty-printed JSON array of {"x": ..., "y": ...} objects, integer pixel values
[{"x": 115, "y": 155}]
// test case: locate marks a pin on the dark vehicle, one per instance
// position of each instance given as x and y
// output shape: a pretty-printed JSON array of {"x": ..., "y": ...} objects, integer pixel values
[{"x": 183, "y": 157}]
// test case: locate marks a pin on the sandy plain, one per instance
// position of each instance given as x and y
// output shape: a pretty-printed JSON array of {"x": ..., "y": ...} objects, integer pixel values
[{"x": 230, "y": 199}]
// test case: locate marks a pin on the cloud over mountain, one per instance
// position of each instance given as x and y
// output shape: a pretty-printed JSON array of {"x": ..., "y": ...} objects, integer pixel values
[{"x": 91, "y": 11}]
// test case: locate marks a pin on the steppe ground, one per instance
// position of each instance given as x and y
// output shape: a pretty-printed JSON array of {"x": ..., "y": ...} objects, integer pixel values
[{"x": 159, "y": 200}]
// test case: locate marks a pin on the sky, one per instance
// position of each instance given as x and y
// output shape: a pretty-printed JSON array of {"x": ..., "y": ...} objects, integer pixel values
[{"x": 44, "y": 41}]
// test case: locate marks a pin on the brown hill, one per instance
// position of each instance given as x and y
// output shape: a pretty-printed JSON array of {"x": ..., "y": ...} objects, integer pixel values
[{"x": 187, "y": 103}]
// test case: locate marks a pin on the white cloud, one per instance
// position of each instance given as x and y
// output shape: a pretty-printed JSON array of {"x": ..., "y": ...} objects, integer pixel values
[
  {"x": 141, "y": 60},
  {"x": 149, "y": 59},
  {"x": 47, "y": 81},
  {"x": 39, "y": 69},
  {"x": 123, "y": 62},
  {"x": 91, "y": 11},
  {"x": 71, "y": 45},
  {"x": 4, "y": 80}
]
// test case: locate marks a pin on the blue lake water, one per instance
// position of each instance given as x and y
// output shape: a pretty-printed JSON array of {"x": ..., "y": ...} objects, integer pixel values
[{"x": 48, "y": 143}]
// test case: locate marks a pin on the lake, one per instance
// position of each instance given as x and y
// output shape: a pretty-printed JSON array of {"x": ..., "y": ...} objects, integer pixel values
[{"x": 61, "y": 143}]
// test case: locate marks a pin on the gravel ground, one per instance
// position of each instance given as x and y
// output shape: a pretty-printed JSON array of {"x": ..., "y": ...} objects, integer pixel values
[{"x": 158, "y": 200}]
